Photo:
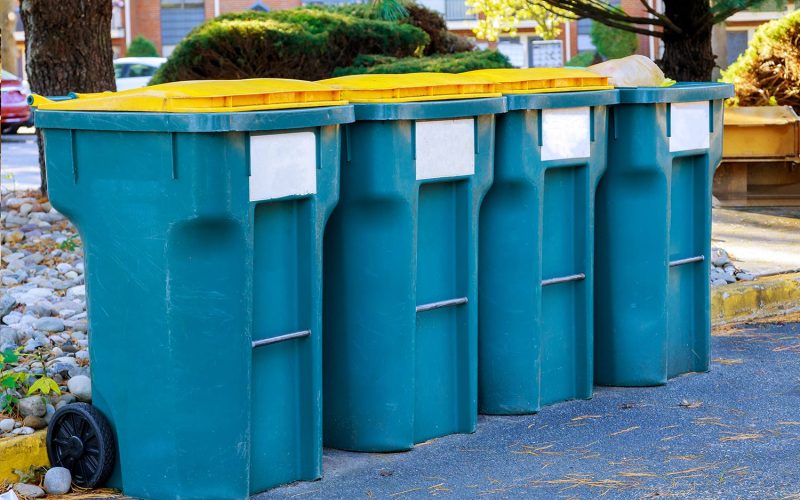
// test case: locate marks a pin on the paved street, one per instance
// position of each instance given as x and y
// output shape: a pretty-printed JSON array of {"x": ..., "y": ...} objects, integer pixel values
[
  {"x": 20, "y": 162},
  {"x": 731, "y": 433}
]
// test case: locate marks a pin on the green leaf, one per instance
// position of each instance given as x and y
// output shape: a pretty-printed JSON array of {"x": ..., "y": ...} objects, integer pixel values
[
  {"x": 9, "y": 382},
  {"x": 10, "y": 356},
  {"x": 44, "y": 385}
]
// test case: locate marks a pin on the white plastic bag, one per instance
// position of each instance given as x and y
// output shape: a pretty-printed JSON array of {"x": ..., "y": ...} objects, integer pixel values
[{"x": 632, "y": 71}]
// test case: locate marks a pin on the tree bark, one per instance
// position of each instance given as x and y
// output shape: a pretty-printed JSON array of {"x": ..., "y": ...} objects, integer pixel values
[
  {"x": 687, "y": 55},
  {"x": 67, "y": 49},
  {"x": 8, "y": 23}
]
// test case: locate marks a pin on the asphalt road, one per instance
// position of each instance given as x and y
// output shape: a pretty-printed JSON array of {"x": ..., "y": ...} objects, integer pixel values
[
  {"x": 730, "y": 433},
  {"x": 19, "y": 167}
]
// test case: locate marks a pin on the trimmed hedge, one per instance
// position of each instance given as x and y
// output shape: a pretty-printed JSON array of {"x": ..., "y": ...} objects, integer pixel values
[
  {"x": 613, "y": 43},
  {"x": 768, "y": 72},
  {"x": 583, "y": 59},
  {"x": 455, "y": 63},
  {"x": 300, "y": 43}
]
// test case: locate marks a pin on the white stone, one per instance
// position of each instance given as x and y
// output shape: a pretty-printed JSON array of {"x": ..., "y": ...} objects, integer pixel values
[{"x": 81, "y": 387}]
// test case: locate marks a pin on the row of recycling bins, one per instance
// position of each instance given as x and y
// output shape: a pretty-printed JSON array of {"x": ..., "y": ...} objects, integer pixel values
[{"x": 369, "y": 262}]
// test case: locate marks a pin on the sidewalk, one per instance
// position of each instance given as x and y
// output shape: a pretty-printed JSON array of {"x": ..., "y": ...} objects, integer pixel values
[
  {"x": 759, "y": 240},
  {"x": 734, "y": 432}
]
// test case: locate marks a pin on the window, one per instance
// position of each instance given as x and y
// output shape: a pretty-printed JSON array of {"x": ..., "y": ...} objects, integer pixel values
[
  {"x": 119, "y": 70},
  {"x": 178, "y": 17},
  {"x": 135, "y": 70},
  {"x": 737, "y": 43},
  {"x": 585, "y": 35}
]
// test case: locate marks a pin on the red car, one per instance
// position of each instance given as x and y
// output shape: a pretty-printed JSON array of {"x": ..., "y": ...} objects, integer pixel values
[{"x": 15, "y": 110}]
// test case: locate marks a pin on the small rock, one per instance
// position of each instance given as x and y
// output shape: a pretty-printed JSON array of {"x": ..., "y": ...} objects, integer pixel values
[
  {"x": 32, "y": 405},
  {"x": 7, "y": 303},
  {"x": 745, "y": 277},
  {"x": 82, "y": 355},
  {"x": 77, "y": 292},
  {"x": 48, "y": 324},
  {"x": 12, "y": 318},
  {"x": 68, "y": 346},
  {"x": 35, "y": 422},
  {"x": 7, "y": 425},
  {"x": 25, "y": 208},
  {"x": 29, "y": 490},
  {"x": 719, "y": 282},
  {"x": 25, "y": 430},
  {"x": 8, "y": 336},
  {"x": 57, "y": 481},
  {"x": 730, "y": 278},
  {"x": 63, "y": 267},
  {"x": 48, "y": 416},
  {"x": 15, "y": 236},
  {"x": 81, "y": 387},
  {"x": 719, "y": 257}
]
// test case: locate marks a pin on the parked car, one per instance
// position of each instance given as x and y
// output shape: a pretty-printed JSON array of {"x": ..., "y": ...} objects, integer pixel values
[
  {"x": 15, "y": 110},
  {"x": 135, "y": 72}
]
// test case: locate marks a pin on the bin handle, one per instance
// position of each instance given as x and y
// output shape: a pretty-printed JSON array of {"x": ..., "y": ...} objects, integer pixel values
[
  {"x": 281, "y": 338},
  {"x": 688, "y": 260},
  {"x": 564, "y": 279},
  {"x": 442, "y": 303}
]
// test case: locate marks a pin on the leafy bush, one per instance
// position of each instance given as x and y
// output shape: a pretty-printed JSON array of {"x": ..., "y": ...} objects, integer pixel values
[
  {"x": 583, "y": 59},
  {"x": 298, "y": 43},
  {"x": 613, "y": 43},
  {"x": 454, "y": 63},
  {"x": 141, "y": 47},
  {"x": 768, "y": 72}
]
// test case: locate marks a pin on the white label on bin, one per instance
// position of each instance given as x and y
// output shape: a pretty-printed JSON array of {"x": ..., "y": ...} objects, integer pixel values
[
  {"x": 566, "y": 133},
  {"x": 445, "y": 148},
  {"x": 282, "y": 165},
  {"x": 689, "y": 126}
]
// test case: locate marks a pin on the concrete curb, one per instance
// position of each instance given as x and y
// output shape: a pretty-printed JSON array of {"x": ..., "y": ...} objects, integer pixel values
[
  {"x": 749, "y": 300},
  {"x": 21, "y": 453}
]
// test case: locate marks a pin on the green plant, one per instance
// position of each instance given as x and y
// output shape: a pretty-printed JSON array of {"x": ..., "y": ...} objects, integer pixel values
[
  {"x": 141, "y": 47},
  {"x": 455, "y": 63},
  {"x": 10, "y": 381},
  {"x": 303, "y": 43},
  {"x": 583, "y": 59},
  {"x": 613, "y": 43},
  {"x": 70, "y": 244},
  {"x": 768, "y": 72}
]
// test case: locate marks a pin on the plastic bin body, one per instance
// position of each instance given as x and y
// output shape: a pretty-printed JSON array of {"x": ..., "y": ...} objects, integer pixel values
[
  {"x": 653, "y": 239},
  {"x": 400, "y": 308},
  {"x": 193, "y": 252},
  {"x": 536, "y": 248}
]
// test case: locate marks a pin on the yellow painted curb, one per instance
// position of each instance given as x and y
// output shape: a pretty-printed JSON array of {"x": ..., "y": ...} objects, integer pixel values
[
  {"x": 748, "y": 300},
  {"x": 22, "y": 453}
]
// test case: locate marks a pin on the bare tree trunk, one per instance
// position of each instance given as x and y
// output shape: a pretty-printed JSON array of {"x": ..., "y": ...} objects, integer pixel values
[
  {"x": 67, "y": 49},
  {"x": 688, "y": 56},
  {"x": 8, "y": 22}
]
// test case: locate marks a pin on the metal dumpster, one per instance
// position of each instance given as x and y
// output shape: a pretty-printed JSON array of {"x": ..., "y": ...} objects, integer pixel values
[
  {"x": 201, "y": 207},
  {"x": 537, "y": 239},
  {"x": 401, "y": 264},
  {"x": 653, "y": 234}
]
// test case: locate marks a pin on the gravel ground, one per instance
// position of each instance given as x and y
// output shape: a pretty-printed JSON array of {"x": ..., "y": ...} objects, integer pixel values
[{"x": 43, "y": 311}]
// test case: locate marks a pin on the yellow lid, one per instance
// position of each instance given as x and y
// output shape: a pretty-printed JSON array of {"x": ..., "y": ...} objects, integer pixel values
[
  {"x": 207, "y": 96},
  {"x": 412, "y": 87},
  {"x": 538, "y": 80}
]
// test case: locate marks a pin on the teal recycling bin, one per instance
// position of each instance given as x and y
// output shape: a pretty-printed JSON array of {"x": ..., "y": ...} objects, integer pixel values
[
  {"x": 537, "y": 240},
  {"x": 401, "y": 262},
  {"x": 653, "y": 235},
  {"x": 201, "y": 207}
]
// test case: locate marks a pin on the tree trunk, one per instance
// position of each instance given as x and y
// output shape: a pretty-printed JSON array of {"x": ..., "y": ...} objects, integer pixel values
[
  {"x": 8, "y": 21},
  {"x": 67, "y": 49},
  {"x": 688, "y": 56}
]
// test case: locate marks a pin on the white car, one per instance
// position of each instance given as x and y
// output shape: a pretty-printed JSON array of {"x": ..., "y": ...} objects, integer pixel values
[{"x": 135, "y": 72}]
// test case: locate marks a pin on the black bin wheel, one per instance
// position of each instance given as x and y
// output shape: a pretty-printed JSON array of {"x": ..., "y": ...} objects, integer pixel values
[{"x": 80, "y": 439}]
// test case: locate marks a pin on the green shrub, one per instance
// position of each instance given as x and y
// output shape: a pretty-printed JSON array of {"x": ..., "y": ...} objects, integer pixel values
[
  {"x": 613, "y": 43},
  {"x": 454, "y": 63},
  {"x": 141, "y": 47},
  {"x": 583, "y": 59},
  {"x": 298, "y": 43},
  {"x": 768, "y": 72}
]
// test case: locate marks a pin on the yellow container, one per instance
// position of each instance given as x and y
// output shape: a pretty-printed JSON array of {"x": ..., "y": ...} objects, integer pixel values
[
  {"x": 538, "y": 80},
  {"x": 764, "y": 133},
  {"x": 412, "y": 87},
  {"x": 207, "y": 96}
]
